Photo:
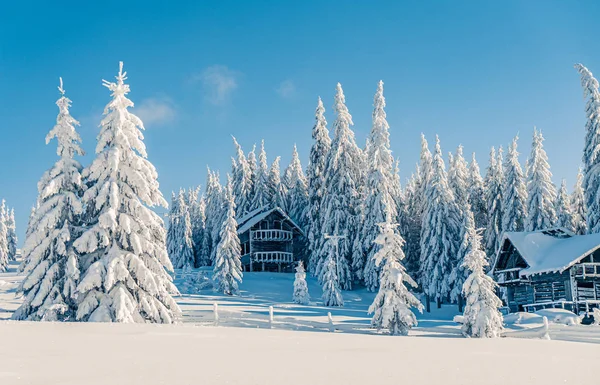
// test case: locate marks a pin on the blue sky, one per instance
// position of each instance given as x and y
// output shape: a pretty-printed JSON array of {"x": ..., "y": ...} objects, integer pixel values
[{"x": 476, "y": 73}]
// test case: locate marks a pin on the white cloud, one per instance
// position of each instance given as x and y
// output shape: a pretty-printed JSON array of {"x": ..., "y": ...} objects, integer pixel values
[
  {"x": 286, "y": 89},
  {"x": 218, "y": 82},
  {"x": 155, "y": 111}
]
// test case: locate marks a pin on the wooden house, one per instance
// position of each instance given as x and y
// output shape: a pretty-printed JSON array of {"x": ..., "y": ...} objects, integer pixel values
[
  {"x": 549, "y": 268},
  {"x": 269, "y": 239}
]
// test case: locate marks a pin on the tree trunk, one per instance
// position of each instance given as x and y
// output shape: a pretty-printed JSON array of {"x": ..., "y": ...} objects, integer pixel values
[
  {"x": 439, "y": 302},
  {"x": 427, "y": 303},
  {"x": 460, "y": 304}
]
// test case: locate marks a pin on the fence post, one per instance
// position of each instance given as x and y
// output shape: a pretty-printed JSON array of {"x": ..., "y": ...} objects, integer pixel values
[
  {"x": 330, "y": 318},
  {"x": 216, "y": 314}
]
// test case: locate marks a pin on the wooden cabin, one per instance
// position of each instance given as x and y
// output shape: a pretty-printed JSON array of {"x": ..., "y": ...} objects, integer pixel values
[
  {"x": 269, "y": 239},
  {"x": 549, "y": 268}
]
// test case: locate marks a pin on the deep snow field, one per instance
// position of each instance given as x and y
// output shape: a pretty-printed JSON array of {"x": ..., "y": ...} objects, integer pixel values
[{"x": 297, "y": 348}]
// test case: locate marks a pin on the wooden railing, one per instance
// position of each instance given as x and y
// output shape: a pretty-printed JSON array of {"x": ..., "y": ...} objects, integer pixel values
[
  {"x": 273, "y": 257},
  {"x": 584, "y": 270},
  {"x": 510, "y": 276},
  {"x": 271, "y": 235}
]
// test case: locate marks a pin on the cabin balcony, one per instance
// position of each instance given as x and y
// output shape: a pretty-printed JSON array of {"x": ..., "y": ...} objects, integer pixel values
[
  {"x": 511, "y": 276},
  {"x": 587, "y": 270},
  {"x": 271, "y": 235},
  {"x": 273, "y": 257}
]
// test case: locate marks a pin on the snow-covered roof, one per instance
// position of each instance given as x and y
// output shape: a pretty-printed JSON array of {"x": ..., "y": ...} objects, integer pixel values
[
  {"x": 252, "y": 218},
  {"x": 553, "y": 250}
]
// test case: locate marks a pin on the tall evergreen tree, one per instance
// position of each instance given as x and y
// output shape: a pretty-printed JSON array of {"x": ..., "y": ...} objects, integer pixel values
[
  {"x": 578, "y": 206},
  {"x": 227, "y": 273},
  {"x": 297, "y": 191},
  {"x": 341, "y": 203},
  {"x": 329, "y": 279},
  {"x": 411, "y": 225},
  {"x": 540, "y": 189},
  {"x": 380, "y": 205},
  {"x": 458, "y": 178},
  {"x": 124, "y": 259},
  {"x": 242, "y": 181},
  {"x": 4, "y": 260},
  {"x": 179, "y": 236},
  {"x": 591, "y": 158},
  {"x": 274, "y": 186},
  {"x": 52, "y": 264},
  {"x": 514, "y": 193},
  {"x": 425, "y": 167},
  {"x": 477, "y": 194},
  {"x": 198, "y": 220},
  {"x": 494, "y": 181},
  {"x": 203, "y": 257},
  {"x": 459, "y": 272},
  {"x": 481, "y": 318},
  {"x": 262, "y": 195},
  {"x": 440, "y": 232},
  {"x": 214, "y": 212},
  {"x": 316, "y": 185},
  {"x": 252, "y": 169},
  {"x": 28, "y": 231},
  {"x": 565, "y": 217},
  {"x": 391, "y": 308},
  {"x": 11, "y": 235}
]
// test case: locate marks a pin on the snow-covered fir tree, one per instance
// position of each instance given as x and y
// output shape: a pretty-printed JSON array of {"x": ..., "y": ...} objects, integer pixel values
[
  {"x": 477, "y": 193},
  {"x": 197, "y": 207},
  {"x": 425, "y": 165},
  {"x": 301, "y": 295},
  {"x": 392, "y": 306},
  {"x": 227, "y": 274},
  {"x": 274, "y": 186},
  {"x": 28, "y": 231},
  {"x": 252, "y": 169},
  {"x": 514, "y": 193},
  {"x": 411, "y": 225},
  {"x": 179, "y": 236},
  {"x": 591, "y": 158},
  {"x": 297, "y": 191},
  {"x": 203, "y": 256},
  {"x": 124, "y": 260},
  {"x": 540, "y": 189},
  {"x": 316, "y": 185},
  {"x": 214, "y": 212},
  {"x": 564, "y": 215},
  {"x": 11, "y": 235},
  {"x": 262, "y": 196},
  {"x": 440, "y": 232},
  {"x": 481, "y": 317},
  {"x": 341, "y": 202},
  {"x": 4, "y": 260},
  {"x": 329, "y": 279},
  {"x": 52, "y": 263},
  {"x": 458, "y": 178},
  {"x": 459, "y": 272},
  {"x": 242, "y": 181},
  {"x": 380, "y": 205},
  {"x": 578, "y": 206},
  {"x": 494, "y": 181}
]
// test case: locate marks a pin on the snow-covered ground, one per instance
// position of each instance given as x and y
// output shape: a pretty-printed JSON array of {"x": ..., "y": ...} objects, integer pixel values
[{"x": 298, "y": 348}]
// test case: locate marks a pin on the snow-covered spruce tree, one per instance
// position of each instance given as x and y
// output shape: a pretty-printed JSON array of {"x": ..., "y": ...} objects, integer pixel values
[
  {"x": 179, "y": 236},
  {"x": 411, "y": 225},
  {"x": 52, "y": 264},
  {"x": 297, "y": 191},
  {"x": 203, "y": 257},
  {"x": 274, "y": 186},
  {"x": 477, "y": 194},
  {"x": 301, "y": 295},
  {"x": 28, "y": 231},
  {"x": 329, "y": 279},
  {"x": 4, "y": 260},
  {"x": 380, "y": 205},
  {"x": 341, "y": 202},
  {"x": 391, "y": 308},
  {"x": 514, "y": 192},
  {"x": 215, "y": 211},
  {"x": 494, "y": 181},
  {"x": 124, "y": 260},
  {"x": 242, "y": 181},
  {"x": 540, "y": 189},
  {"x": 262, "y": 196},
  {"x": 481, "y": 317},
  {"x": 578, "y": 206},
  {"x": 316, "y": 185},
  {"x": 459, "y": 272},
  {"x": 227, "y": 274},
  {"x": 252, "y": 168},
  {"x": 564, "y": 215},
  {"x": 591, "y": 158},
  {"x": 11, "y": 235},
  {"x": 440, "y": 233},
  {"x": 425, "y": 165},
  {"x": 196, "y": 207},
  {"x": 458, "y": 178}
]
